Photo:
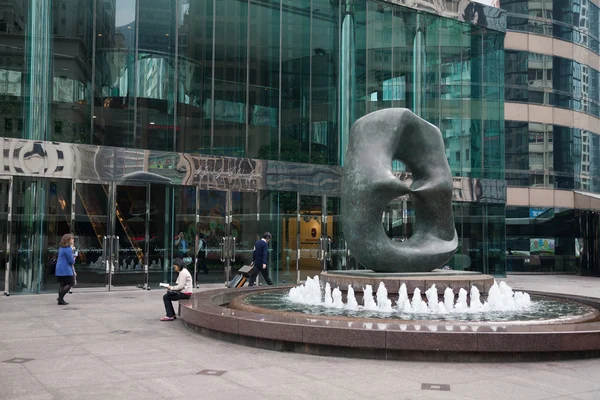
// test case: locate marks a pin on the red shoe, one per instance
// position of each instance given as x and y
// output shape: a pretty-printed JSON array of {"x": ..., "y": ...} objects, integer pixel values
[{"x": 167, "y": 318}]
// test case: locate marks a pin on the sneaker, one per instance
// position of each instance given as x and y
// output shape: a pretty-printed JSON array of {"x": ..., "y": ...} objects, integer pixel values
[
  {"x": 62, "y": 303},
  {"x": 167, "y": 319}
]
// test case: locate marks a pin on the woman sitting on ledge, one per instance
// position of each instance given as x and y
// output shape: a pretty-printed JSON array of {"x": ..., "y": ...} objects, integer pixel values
[{"x": 182, "y": 289}]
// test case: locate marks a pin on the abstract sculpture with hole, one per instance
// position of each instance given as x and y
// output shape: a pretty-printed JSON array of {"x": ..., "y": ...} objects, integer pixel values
[{"x": 369, "y": 184}]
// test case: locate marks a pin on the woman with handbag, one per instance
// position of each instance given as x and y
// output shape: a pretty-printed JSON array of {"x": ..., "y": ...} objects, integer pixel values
[
  {"x": 181, "y": 291},
  {"x": 65, "y": 270}
]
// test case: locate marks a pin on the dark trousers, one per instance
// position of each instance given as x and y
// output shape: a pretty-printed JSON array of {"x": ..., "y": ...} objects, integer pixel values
[
  {"x": 173, "y": 296},
  {"x": 202, "y": 262},
  {"x": 254, "y": 274}
]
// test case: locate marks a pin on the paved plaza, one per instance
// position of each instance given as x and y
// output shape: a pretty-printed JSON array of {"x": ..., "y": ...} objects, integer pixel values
[{"x": 112, "y": 346}]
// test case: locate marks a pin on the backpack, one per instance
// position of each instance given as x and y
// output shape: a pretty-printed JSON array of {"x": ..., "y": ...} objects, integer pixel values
[{"x": 202, "y": 247}]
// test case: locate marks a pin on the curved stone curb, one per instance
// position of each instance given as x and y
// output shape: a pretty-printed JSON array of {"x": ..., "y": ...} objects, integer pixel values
[{"x": 207, "y": 313}]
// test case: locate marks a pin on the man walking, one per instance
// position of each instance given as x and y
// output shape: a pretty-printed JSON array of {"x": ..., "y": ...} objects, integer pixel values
[
  {"x": 202, "y": 251},
  {"x": 259, "y": 258}
]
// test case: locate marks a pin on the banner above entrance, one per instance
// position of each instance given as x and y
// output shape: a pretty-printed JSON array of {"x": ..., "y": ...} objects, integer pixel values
[{"x": 133, "y": 166}]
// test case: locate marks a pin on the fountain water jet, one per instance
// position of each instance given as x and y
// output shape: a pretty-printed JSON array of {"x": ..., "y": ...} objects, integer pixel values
[{"x": 501, "y": 297}]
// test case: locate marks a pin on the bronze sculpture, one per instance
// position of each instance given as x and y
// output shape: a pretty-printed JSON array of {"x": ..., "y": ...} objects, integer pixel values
[{"x": 368, "y": 185}]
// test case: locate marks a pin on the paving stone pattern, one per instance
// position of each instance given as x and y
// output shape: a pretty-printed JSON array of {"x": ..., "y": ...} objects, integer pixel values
[{"x": 109, "y": 348}]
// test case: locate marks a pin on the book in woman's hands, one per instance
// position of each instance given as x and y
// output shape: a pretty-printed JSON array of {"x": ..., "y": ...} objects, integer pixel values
[{"x": 163, "y": 285}]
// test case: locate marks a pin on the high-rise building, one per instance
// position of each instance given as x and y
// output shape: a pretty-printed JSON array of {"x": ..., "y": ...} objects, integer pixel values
[
  {"x": 552, "y": 111},
  {"x": 126, "y": 122}
]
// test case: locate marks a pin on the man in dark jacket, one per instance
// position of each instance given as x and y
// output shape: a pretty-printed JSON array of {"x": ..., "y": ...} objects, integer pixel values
[{"x": 260, "y": 258}]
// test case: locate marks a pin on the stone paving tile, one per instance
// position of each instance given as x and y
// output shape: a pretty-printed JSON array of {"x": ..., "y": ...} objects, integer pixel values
[
  {"x": 157, "y": 369},
  {"x": 325, "y": 368},
  {"x": 196, "y": 385},
  {"x": 49, "y": 352},
  {"x": 251, "y": 377},
  {"x": 377, "y": 384},
  {"x": 245, "y": 394},
  {"x": 35, "y": 343},
  {"x": 588, "y": 370},
  {"x": 84, "y": 377},
  {"x": 43, "y": 395},
  {"x": 108, "y": 391},
  {"x": 564, "y": 398},
  {"x": 11, "y": 369},
  {"x": 593, "y": 395},
  {"x": 20, "y": 325},
  {"x": 554, "y": 382},
  {"x": 227, "y": 361},
  {"x": 424, "y": 395},
  {"x": 448, "y": 373},
  {"x": 148, "y": 356},
  {"x": 500, "y": 389},
  {"x": 29, "y": 333},
  {"x": 72, "y": 362},
  {"x": 314, "y": 390},
  {"x": 94, "y": 337},
  {"x": 116, "y": 346},
  {"x": 19, "y": 385}
]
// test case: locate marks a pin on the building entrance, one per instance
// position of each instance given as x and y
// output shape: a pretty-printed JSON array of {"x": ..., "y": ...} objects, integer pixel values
[
  {"x": 111, "y": 224},
  {"x": 127, "y": 233}
]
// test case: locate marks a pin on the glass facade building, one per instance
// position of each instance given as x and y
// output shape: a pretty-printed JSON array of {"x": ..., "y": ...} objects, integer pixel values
[
  {"x": 552, "y": 94},
  {"x": 126, "y": 122}
]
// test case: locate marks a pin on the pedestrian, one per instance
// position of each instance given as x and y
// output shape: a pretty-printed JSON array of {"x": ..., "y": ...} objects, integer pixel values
[
  {"x": 65, "y": 270},
  {"x": 181, "y": 291},
  {"x": 181, "y": 245},
  {"x": 202, "y": 252},
  {"x": 260, "y": 258}
]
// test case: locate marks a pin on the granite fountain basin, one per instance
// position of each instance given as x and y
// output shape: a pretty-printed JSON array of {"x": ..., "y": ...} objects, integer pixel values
[{"x": 233, "y": 315}]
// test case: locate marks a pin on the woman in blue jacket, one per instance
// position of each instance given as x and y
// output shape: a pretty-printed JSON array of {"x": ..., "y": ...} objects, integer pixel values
[{"x": 65, "y": 272}]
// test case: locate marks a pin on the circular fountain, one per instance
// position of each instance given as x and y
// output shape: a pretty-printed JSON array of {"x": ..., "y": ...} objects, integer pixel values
[
  {"x": 459, "y": 325},
  {"x": 418, "y": 312},
  {"x": 501, "y": 307}
]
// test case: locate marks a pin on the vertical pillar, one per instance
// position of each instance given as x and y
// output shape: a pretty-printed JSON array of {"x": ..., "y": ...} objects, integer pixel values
[
  {"x": 419, "y": 68},
  {"x": 39, "y": 71},
  {"x": 37, "y": 127},
  {"x": 347, "y": 75}
]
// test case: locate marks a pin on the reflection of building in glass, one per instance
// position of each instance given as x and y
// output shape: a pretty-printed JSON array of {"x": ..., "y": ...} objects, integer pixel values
[{"x": 553, "y": 98}]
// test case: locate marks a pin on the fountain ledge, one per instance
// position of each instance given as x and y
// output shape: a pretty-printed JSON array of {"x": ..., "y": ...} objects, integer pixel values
[
  {"x": 442, "y": 279},
  {"x": 208, "y": 313}
]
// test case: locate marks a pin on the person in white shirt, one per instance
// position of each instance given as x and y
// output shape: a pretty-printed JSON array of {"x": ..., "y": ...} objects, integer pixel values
[{"x": 181, "y": 291}]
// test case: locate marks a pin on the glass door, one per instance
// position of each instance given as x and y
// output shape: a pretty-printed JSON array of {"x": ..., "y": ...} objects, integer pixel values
[
  {"x": 337, "y": 256},
  {"x": 311, "y": 237},
  {"x": 244, "y": 231},
  {"x": 228, "y": 223},
  {"x": 129, "y": 241},
  {"x": 5, "y": 220},
  {"x": 91, "y": 230},
  {"x": 211, "y": 226},
  {"x": 28, "y": 201}
]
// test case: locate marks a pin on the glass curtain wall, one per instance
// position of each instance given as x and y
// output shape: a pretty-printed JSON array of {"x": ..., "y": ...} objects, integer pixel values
[
  {"x": 251, "y": 78},
  {"x": 242, "y": 78}
]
